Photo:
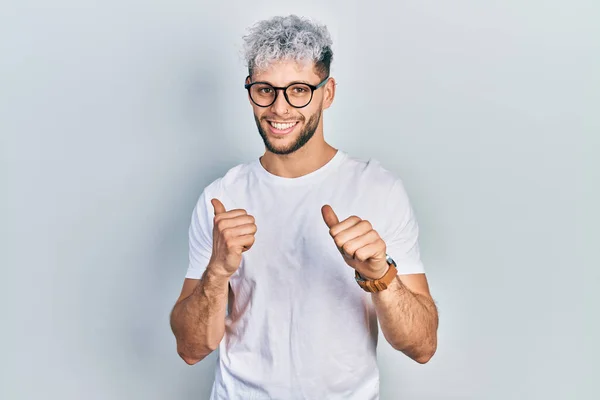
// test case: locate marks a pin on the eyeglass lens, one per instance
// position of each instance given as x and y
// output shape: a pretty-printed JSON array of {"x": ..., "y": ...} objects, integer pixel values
[{"x": 263, "y": 94}]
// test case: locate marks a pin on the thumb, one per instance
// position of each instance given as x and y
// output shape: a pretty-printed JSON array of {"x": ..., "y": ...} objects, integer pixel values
[
  {"x": 329, "y": 216},
  {"x": 218, "y": 206}
]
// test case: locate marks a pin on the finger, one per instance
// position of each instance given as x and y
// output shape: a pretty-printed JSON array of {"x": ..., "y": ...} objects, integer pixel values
[
  {"x": 245, "y": 241},
  {"x": 231, "y": 214},
  {"x": 344, "y": 225},
  {"x": 240, "y": 230},
  {"x": 350, "y": 247},
  {"x": 369, "y": 250},
  {"x": 218, "y": 207},
  {"x": 224, "y": 223},
  {"x": 362, "y": 227},
  {"x": 329, "y": 216}
]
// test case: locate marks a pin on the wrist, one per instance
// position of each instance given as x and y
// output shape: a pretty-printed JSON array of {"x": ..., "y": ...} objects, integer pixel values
[
  {"x": 376, "y": 283},
  {"x": 215, "y": 272},
  {"x": 370, "y": 276}
]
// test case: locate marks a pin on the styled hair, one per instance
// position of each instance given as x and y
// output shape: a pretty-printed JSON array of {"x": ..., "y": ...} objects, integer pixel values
[{"x": 288, "y": 38}]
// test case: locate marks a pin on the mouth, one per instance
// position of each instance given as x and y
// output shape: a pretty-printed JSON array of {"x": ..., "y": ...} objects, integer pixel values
[{"x": 282, "y": 128}]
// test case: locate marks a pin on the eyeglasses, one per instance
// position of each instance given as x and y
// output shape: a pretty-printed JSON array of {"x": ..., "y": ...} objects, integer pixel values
[{"x": 297, "y": 94}]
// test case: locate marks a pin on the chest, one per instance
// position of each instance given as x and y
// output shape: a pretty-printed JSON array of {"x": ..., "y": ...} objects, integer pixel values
[{"x": 293, "y": 246}]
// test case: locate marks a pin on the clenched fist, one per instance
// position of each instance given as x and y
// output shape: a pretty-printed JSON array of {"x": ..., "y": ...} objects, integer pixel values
[
  {"x": 360, "y": 245},
  {"x": 233, "y": 233}
]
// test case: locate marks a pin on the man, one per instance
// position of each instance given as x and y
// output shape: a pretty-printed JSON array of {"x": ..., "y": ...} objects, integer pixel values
[{"x": 270, "y": 280}]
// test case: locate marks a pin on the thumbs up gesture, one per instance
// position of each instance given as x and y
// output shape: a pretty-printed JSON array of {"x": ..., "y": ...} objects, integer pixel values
[
  {"x": 359, "y": 243},
  {"x": 233, "y": 234}
]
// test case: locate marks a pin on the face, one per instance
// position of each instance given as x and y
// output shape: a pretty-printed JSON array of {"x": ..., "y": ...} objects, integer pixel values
[{"x": 283, "y": 128}]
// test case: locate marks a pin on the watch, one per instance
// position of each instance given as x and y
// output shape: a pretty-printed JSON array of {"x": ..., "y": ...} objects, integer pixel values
[{"x": 380, "y": 284}]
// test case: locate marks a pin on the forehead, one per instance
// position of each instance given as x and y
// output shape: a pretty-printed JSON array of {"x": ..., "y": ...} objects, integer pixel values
[{"x": 280, "y": 73}]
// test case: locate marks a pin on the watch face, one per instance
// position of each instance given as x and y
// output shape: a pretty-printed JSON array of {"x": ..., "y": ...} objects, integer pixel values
[
  {"x": 357, "y": 277},
  {"x": 390, "y": 260}
]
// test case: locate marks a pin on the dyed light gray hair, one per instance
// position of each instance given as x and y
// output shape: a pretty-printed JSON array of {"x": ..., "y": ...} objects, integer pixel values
[{"x": 288, "y": 38}]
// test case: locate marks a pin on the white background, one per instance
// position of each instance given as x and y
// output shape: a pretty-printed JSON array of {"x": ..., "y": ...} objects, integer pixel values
[{"x": 114, "y": 115}]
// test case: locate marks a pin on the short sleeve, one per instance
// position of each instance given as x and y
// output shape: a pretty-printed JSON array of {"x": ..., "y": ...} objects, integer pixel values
[
  {"x": 200, "y": 237},
  {"x": 402, "y": 240}
]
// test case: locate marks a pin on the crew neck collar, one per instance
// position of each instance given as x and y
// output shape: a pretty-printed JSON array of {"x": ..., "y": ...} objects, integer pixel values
[{"x": 313, "y": 176}]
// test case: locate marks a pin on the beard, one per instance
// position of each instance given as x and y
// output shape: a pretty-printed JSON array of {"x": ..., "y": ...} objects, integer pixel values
[{"x": 305, "y": 135}]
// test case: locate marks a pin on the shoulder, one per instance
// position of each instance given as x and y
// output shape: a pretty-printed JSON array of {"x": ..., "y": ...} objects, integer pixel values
[
  {"x": 373, "y": 174},
  {"x": 234, "y": 177},
  {"x": 379, "y": 193}
]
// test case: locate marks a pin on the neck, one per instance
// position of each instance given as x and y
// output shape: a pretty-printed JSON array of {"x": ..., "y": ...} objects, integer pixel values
[{"x": 307, "y": 159}]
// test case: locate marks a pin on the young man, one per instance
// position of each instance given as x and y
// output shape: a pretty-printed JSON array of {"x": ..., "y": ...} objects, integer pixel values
[{"x": 296, "y": 256}]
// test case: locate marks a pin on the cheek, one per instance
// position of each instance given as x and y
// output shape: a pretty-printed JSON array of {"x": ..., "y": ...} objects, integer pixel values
[
  {"x": 303, "y": 117},
  {"x": 312, "y": 115},
  {"x": 258, "y": 112},
  {"x": 314, "y": 108}
]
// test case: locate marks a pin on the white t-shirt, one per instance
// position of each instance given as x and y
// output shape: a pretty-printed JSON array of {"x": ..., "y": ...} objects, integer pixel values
[{"x": 299, "y": 326}]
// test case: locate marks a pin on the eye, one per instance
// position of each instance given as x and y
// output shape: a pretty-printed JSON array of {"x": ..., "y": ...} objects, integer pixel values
[
  {"x": 299, "y": 90},
  {"x": 265, "y": 90}
]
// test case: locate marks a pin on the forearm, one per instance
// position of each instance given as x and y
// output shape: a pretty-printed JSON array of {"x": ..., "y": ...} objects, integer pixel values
[
  {"x": 409, "y": 321},
  {"x": 198, "y": 321}
]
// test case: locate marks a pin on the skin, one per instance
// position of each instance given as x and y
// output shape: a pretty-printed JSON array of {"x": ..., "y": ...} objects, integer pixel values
[
  {"x": 406, "y": 310},
  {"x": 291, "y": 156}
]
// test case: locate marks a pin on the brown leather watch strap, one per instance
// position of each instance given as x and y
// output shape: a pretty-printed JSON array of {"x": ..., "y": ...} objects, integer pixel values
[{"x": 377, "y": 285}]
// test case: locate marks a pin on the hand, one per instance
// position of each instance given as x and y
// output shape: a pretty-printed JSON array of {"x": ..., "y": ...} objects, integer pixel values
[
  {"x": 233, "y": 234},
  {"x": 359, "y": 243}
]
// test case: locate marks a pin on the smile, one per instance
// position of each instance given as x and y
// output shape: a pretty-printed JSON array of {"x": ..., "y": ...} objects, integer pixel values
[{"x": 282, "y": 126}]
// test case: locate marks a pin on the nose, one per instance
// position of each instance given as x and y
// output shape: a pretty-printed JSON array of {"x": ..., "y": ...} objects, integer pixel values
[{"x": 281, "y": 106}]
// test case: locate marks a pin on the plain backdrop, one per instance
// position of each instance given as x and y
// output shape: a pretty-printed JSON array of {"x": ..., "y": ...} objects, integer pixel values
[{"x": 114, "y": 115}]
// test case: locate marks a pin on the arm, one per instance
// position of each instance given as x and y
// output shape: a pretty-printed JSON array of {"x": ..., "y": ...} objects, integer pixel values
[
  {"x": 408, "y": 316},
  {"x": 405, "y": 310},
  {"x": 198, "y": 317}
]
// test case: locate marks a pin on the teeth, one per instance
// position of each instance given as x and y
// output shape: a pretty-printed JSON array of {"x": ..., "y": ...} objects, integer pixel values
[{"x": 283, "y": 127}]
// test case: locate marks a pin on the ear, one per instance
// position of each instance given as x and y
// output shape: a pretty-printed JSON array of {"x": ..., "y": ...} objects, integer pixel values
[
  {"x": 329, "y": 93},
  {"x": 247, "y": 81}
]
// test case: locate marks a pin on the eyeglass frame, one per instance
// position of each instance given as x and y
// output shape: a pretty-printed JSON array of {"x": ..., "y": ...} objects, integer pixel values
[{"x": 278, "y": 88}]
